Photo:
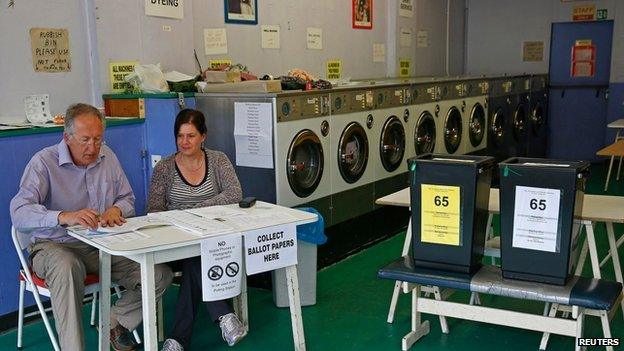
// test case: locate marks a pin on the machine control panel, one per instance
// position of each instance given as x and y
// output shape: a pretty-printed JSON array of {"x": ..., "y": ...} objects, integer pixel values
[
  {"x": 460, "y": 90},
  {"x": 507, "y": 86},
  {"x": 303, "y": 106},
  {"x": 434, "y": 92},
  {"x": 288, "y": 109},
  {"x": 484, "y": 87},
  {"x": 363, "y": 101}
]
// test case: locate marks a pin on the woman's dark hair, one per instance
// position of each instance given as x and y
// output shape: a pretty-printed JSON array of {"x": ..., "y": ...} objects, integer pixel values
[{"x": 193, "y": 117}]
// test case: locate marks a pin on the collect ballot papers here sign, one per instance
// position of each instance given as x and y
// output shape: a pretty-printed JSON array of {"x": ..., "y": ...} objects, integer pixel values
[
  {"x": 270, "y": 248},
  {"x": 221, "y": 263}
]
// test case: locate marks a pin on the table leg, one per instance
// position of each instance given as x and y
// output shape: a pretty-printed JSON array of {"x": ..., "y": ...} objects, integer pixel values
[
  {"x": 148, "y": 295},
  {"x": 609, "y": 173},
  {"x": 105, "y": 299},
  {"x": 593, "y": 252},
  {"x": 419, "y": 329},
  {"x": 617, "y": 177},
  {"x": 397, "y": 284},
  {"x": 295, "y": 308},
  {"x": 619, "y": 243},
  {"x": 615, "y": 257}
]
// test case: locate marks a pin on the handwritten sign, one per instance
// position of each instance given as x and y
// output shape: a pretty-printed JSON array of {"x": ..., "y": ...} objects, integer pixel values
[
  {"x": 532, "y": 51},
  {"x": 50, "y": 50}
]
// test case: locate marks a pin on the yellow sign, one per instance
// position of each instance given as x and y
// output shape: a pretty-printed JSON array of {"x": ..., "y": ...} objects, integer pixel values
[
  {"x": 439, "y": 214},
  {"x": 584, "y": 13},
  {"x": 532, "y": 51},
  {"x": 583, "y": 42},
  {"x": 404, "y": 68},
  {"x": 216, "y": 64},
  {"x": 117, "y": 71},
  {"x": 334, "y": 69},
  {"x": 50, "y": 49}
]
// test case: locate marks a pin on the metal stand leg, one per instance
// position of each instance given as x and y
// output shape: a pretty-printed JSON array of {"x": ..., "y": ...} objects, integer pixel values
[
  {"x": 614, "y": 256},
  {"x": 609, "y": 173},
  {"x": 397, "y": 284}
]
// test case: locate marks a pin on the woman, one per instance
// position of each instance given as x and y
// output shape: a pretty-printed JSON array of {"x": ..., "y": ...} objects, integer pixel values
[{"x": 194, "y": 177}]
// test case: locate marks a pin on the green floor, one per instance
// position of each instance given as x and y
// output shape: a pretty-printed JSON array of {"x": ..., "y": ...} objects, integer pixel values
[{"x": 351, "y": 310}]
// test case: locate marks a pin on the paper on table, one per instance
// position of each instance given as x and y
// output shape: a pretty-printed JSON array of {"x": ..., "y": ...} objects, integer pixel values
[
  {"x": 216, "y": 212},
  {"x": 269, "y": 218},
  {"x": 121, "y": 238},
  {"x": 134, "y": 223},
  {"x": 192, "y": 223}
]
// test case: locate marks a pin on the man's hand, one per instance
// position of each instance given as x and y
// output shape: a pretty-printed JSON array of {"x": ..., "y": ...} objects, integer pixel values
[
  {"x": 112, "y": 217},
  {"x": 85, "y": 217}
]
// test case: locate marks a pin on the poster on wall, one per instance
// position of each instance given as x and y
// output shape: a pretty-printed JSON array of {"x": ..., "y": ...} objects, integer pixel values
[
  {"x": 406, "y": 8},
  {"x": 362, "y": 14},
  {"x": 532, "y": 51},
  {"x": 584, "y": 13},
  {"x": 583, "y": 59},
  {"x": 117, "y": 71},
  {"x": 167, "y": 9},
  {"x": 215, "y": 41},
  {"x": 50, "y": 50},
  {"x": 241, "y": 11}
]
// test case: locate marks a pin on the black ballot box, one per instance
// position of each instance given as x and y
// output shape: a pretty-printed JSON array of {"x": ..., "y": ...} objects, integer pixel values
[
  {"x": 449, "y": 200},
  {"x": 539, "y": 202}
]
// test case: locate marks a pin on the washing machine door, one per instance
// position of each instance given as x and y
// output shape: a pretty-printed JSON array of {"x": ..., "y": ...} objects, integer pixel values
[
  {"x": 477, "y": 125},
  {"x": 425, "y": 134},
  {"x": 497, "y": 127},
  {"x": 452, "y": 130},
  {"x": 392, "y": 144},
  {"x": 304, "y": 163},
  {"x": 537, "y": 118},
  {"x": 519, "y": 122},
  {"x": 352, "y": 152}
]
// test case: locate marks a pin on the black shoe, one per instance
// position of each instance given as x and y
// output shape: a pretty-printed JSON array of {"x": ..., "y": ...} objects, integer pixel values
[{"x": 121, "y": 339}]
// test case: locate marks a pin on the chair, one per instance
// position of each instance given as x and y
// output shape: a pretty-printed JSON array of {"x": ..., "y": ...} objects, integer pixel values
[{"x": 37, "y": 286}]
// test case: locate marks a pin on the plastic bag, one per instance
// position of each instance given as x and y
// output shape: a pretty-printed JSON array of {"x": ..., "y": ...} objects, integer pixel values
[{"x": 148, "y": 79}]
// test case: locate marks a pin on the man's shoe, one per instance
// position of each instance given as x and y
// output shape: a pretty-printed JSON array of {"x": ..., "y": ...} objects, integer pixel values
[
  {"x": 172, "y": 345},
  {"x": 121, "y": 339},
  {"x": 232, "y": 330}
]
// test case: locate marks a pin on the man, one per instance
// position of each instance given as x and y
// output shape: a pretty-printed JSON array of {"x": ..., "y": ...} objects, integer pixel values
[{"x": 79, "y": 181}]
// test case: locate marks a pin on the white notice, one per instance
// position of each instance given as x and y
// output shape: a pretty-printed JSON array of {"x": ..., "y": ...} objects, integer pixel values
[
  {"x": 253, "y": 132},
  {"x": 406, "y": 8},
  {"x": 37, "y": 108},
  {"x": 422, "y": 39},
  {"x": 379, "y": 52},
  {"x": 169, "y": 9},
  {"x": 315, "y": 38},
  {"x": 536, "y": 219},
  {"x": 406, "y": 37},
  {"x": 215, "y": 41},
  {"x": 270, "y": 248},
  {"x": 270, "y": 37},
  {"x": 221, "y": 263}
]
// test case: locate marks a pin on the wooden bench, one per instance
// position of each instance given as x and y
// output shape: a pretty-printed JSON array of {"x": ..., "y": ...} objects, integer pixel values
[
  {"x": 581, "y": 296},
  {"x": 614, "y": 150}
]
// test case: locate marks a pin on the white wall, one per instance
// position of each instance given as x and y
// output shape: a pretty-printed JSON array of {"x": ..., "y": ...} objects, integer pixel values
[
  {"x": 497, "y": 28},
  {"x": 119, "y": 31}
]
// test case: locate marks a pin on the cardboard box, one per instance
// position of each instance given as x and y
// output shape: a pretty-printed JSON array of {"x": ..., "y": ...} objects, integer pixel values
[
  {"x": 248, "y": 86},
  {"x": 222, "y": 76}
]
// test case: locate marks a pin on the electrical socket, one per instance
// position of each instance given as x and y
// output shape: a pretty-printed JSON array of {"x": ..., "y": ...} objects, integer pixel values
[{"x": 155, "y": 159}]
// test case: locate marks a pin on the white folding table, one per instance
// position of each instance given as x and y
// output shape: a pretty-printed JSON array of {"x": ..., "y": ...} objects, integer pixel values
[
  {"x": 170, "y": 243},
  {"x": 619, "y": 125}
]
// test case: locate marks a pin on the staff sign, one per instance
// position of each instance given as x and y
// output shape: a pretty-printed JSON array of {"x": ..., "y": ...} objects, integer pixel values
[{"x": 440, "y": 214}]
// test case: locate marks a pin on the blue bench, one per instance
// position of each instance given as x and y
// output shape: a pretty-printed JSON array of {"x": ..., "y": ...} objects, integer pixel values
[{"x": 581, "y": 296}]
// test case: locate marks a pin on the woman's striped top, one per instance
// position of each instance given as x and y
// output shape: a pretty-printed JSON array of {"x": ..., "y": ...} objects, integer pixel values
[{"x": 183, "y": 195}]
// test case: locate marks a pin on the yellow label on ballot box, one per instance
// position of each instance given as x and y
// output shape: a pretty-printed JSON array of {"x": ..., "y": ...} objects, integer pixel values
[{"x": 439, "y": 214}]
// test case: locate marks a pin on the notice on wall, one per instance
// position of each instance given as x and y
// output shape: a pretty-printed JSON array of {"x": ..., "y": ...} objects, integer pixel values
[
  {"x": 379, "y": 52},
  {"x": 584, "y": 13},
  {"x": 253, "y": 130},
  {"x": 583, "y": 60},
  {"x": 221, "y": 263},
  {"x": 50, "y": 50},
  {"x": 406, "y": 8},
  {"x": 440, "y": 214},
  {"x": 334, "y": 69},
  {"x": 532, "y": 51},
  {"x": 404, "y": 67},
  {"x": 165, "y": 8},
  {"x": 536, "y": 219},
  {"x": 314, "y": 38},
  {"x": 270, "y": 248},
  {"x": 422, "y": 39},
  {"x": 215, "y": 41},
  {"x": 405, "y": 39},
  {"x": 270, "y": 37},
  {"x": 117, "y": 71},
  {"x": 218, "y": 64}
]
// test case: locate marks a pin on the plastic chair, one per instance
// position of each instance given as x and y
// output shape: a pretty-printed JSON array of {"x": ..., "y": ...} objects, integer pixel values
[{"x": 37, "y": 286}]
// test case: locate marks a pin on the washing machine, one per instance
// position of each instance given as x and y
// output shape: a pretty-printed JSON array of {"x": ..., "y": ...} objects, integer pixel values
[
  {"x": 538, "y": 116},
  {"x": 450, "y": 135},
  {"x": 425, "y": 111},
  {"x": 352, "y": 176},
  {"x": 499, "y": 131},
  {"x": 302, "y": 148},
  {"x": 475, "y": 116},
  {"x": 519, "y": 115}
]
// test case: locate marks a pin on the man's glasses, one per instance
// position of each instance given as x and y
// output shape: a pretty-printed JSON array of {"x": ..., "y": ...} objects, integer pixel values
[{"x": 84, "y": 141}]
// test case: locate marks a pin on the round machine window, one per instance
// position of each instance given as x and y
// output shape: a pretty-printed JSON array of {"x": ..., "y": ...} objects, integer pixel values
[
  {"x": 497, "y": 128},
  {"x": 425, "y": 134},
  {"x": 519, "y": 120},
  {"x": 452, "y": 130},
  {"x": 477, "y": 125},
  {"x": 392, "y": 145},
  {"x": 537, "y": 118},
  {"x": 352, "y": 152},
  {"x": 304, "y": 163}
]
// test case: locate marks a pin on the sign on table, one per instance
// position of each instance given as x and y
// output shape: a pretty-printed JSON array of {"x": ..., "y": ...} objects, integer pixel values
[
  {"x": 221, "y": 262},
  {"x": 270, "y": 248}
]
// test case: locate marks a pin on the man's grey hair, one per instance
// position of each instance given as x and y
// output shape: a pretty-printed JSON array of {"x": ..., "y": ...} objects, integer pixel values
[{"x": 78, "y": 109}]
